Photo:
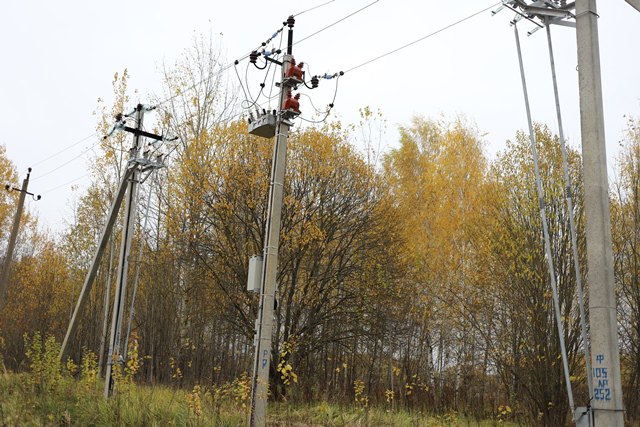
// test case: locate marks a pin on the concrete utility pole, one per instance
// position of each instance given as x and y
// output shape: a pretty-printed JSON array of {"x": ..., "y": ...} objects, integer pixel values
[
  {"x": 262, "y": 362},
  {"x": 4, "y": 279},
  {"x": 607, "y": 402},
  {"x": 93, "y": 270},
  {"x": 115, "y": 345},
  {"x": 131, "y": 175}
]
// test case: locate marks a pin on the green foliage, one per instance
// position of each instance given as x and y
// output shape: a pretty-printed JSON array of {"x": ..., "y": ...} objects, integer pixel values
[
  {"x": 44, "y": 363},
  {"x": 159, "y": 406}
]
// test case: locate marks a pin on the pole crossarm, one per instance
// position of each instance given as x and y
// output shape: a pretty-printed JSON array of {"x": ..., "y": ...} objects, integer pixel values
[
  {"x": 140, "y": 132},
  {"x": 541, "y": 13}
]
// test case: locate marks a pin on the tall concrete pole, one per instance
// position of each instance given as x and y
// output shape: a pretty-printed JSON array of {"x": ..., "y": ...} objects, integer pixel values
[
  {"x": 93, "y": 270},
  {"x": 4, "y": 279},
  {"x": 262, "y": 361},
  {"x": 607, "y": 402},
  {"x": 115, "y": 345}
]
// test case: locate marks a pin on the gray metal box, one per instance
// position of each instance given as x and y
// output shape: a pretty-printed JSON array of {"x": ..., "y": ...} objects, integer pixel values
[
  {"x": 264, "y": 126},
  {"x": 254, "y": 278}
]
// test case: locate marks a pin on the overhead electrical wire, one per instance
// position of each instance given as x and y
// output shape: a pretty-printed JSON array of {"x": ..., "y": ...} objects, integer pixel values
[
  {"x": 335, "y": 93},
  {"x": 337, "y": 22},
  {"x": 268, "y": 65},
  {"x": 460, "y": 21},
  {"x": 68, "y": 147},
  {"x": 49, "y": 172},
  {"x": 243, "y": 57},
  {"x": 228, "y": 66},
  {"x": 51, "y": 190},
  {"x": 313, "y": 8}
]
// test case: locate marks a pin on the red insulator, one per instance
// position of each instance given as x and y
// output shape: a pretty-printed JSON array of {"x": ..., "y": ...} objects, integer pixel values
[
  {"x": 253, "y": 57},
  {"x": 292, "y": 103},
  {"x": 295, "y": 71}
]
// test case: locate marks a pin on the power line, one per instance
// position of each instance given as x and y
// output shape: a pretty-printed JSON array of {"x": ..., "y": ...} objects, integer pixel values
[
  {"x": 82, "y": 153},
  {"x": 337, "y": 22},
  {"x": 65, "y": 149},
  {"x": 243, "y": 57},
  {"x": 65, "y": 184},
  {"x": 424, "y": 37},
  {"x": 227, "y": 67},
  {"x": 313, "y": 8}
]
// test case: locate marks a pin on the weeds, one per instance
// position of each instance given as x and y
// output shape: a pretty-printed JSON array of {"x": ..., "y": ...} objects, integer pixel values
[{"x": 52, "y": 393}]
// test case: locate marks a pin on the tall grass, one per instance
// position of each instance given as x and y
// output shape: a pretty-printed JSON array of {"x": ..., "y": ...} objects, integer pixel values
[{"x": 52, "y": 394}]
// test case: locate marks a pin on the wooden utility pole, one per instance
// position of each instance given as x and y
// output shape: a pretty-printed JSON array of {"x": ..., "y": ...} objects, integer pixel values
[{"x": 4, "y": 279}]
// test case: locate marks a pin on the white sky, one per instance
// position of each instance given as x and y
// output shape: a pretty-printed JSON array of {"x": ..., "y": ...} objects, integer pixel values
[{"x": 59, "y": 57}]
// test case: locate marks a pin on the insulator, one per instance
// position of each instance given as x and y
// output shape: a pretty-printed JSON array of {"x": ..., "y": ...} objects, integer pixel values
[
  {"x": 253, "y": 57},
  {"x": 290, "y": 21},
  {"x": 314, "y": 82}
]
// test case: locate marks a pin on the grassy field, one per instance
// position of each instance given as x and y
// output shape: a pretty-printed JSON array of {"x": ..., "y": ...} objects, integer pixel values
[
  {"x": 53, "y": 394},
  {"x": 78, "y": 402},
  {"x": 76, "y": 405}
]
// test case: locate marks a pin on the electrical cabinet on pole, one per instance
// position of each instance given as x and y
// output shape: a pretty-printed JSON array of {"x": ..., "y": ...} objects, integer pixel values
[
  {"x": 264, "y": 324},
  {"x": 115, "y": 344},
  {"x": 607, "y": 403},
  {"x": 4, "y": 279}
]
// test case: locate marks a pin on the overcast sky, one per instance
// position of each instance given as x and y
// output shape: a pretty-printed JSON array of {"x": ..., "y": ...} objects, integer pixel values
[{"x": 59, "y": 57}]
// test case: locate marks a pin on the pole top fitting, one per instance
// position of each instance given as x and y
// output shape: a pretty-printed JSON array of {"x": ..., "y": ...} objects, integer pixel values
[{"x": 290, "y": 21}]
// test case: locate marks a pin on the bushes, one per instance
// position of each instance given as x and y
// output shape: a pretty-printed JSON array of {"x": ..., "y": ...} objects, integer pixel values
[{"x": 53, "y": 393}]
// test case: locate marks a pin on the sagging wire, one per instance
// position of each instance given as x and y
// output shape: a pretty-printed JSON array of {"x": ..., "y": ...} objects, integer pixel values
[
  {"x": 331, "y": 105},
  {"x": 249, "y": 98},
  {"x": 235, "y": 67},
  {"x": 262, "y": 85}
]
